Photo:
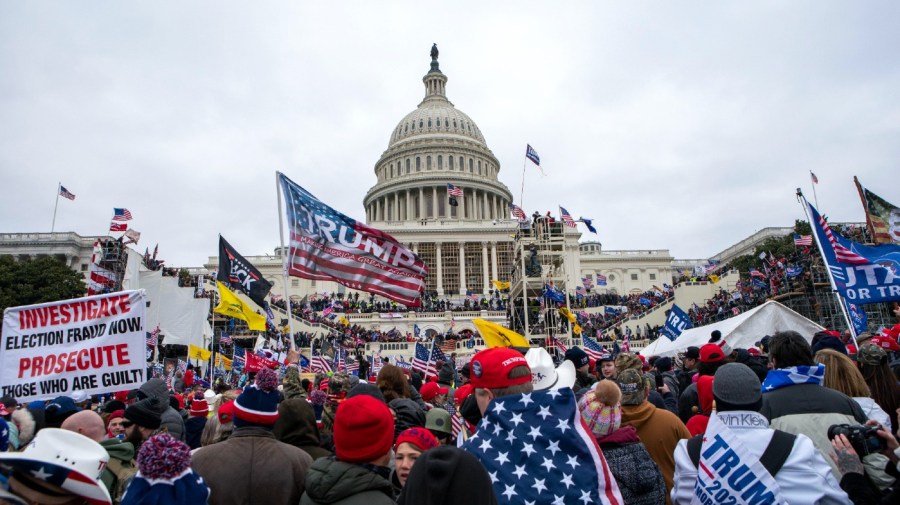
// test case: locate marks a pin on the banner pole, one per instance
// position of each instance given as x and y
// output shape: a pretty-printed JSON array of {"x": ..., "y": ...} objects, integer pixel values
[
  {"x": 521, "y": 193},
  {"x": 55, "y": 206},
  {"x": 284, "y": 260}
]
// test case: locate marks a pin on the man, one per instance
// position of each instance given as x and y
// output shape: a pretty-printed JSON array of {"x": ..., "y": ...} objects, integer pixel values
[
  {"x": 689, "y": 361},
  {"x": 659, "y": 429},
  {"x": 358, "y": 473},
  {"x": 663, "y": 368},
  {"x": 252, "y": 463},
  {"x": 802, "y": 474},
  {"x": 499, "y": 371},
  {"x": 794, "y": 399},
  {"x": 711, "y": 358},
  {"x": 582, "y": 363},
  {"x": 142, "y": 419},
  {"x": 171, "y": 419},
  {"x": 122, "y": 466}
]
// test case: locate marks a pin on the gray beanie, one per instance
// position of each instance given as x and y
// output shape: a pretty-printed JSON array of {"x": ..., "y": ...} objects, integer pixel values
[{"x": 736, "y": 387}]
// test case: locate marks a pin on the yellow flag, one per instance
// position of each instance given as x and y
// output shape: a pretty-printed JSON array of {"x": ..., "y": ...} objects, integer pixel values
[
  {"x": 231, "y": 305},
  {"x": 495, "y": 335},
  {"x": 576, "y": 329},
  {"x": 566, "y": 314},
  {"x": 200, "y": 353},
  {"x": 501, "y": 285},
  {"x": 223, "y": 362},
  {"x": 714, "y": 278},
  {"x": 343, "y": 320}
]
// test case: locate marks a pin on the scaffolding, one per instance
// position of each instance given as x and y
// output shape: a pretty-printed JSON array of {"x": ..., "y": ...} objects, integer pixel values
[{"x": 108, "y": 263}]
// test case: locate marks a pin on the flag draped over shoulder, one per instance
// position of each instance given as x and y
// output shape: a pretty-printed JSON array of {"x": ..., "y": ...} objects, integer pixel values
[
  {"x": 882, "y": 217},
  {"x": 232, "y": 306},
  {"x": 237, "y": 273},
  {"x": 861, "y": 273},
  {"x": 327, "y": 245},
  {"x": 495, "y": 335},
  {"x": 537, "y": 450}
]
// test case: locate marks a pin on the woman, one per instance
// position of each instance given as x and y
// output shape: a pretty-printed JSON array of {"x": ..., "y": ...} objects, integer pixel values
[
  {"x": 410, "y": 445},
  {"x": 392, "y": 383},
  {"x": 639, "y": 478},
  {"x": 873, "y": 364},
  {"x": 842, "y": 375}
]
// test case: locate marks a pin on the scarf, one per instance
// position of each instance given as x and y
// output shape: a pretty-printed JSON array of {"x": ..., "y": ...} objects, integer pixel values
[{"x": 784, "y": 377}]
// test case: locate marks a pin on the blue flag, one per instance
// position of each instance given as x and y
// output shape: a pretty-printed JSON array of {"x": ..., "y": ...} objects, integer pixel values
[
  {"x": 587, "y": 222},
  {"x": 760, "y": 284},
  {"x": 858, "y": 317},
  {"x": 861, "y": 273},
  {"x": 610, "y": 311},
  {"x": 553, "y": 294},
  {"x": 793, "y": 271},
  {"x": 645, "y": 301},
  {"x": 677, "y": 322}
]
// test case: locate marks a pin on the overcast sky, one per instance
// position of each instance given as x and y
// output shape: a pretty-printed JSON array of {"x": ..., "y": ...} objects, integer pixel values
[{"x": 675, "y": 125}]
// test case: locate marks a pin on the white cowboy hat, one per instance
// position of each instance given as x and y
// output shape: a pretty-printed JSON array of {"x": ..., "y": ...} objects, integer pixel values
[
  {"x": 65, "y": 459},
  {"x": 544, "y": 375}
]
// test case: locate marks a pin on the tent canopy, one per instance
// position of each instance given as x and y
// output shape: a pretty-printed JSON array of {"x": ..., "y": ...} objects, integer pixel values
[{"x": 741, "y": 331}]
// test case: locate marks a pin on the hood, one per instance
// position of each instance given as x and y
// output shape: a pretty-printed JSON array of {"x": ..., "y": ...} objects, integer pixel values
[
  {"x": 118, "y": 449},
  {"x": 156, "y": 388},
  {"x": 296, "y": 424},
  {"x": 705, "y": 394},
  {"x": 330, "y": 481},
  {"x": 292, "y": 385},
  {"x": 637, "y": 415},
  {"x": 624, "y": 435},
  {"x": 409, "y": 415},
  {"x": 446, "y": 475}
]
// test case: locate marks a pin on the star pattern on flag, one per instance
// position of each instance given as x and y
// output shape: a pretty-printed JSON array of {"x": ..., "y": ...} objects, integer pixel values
[{"x": 525, "y": 439}]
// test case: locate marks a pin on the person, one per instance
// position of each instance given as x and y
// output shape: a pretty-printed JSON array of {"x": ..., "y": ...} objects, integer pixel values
[
  {"x": 262, "y": 467},
  {"x": 114, "y": 427},
  {"x": 794, "y": 399},
  {"x": 164, "y": 475},
  {"x": 142, "y": 419},
  {"x": 448, "y": 476},
  {"x": 689, "y": 362},
  {"x": 296, "y": 425},
  {"x": 407, "y": 449},
  {"x": 841, "y": 374},
  {"x": 659, "y": 429},
  {"x": 59, "y": 467},
  {"x": 544, "y": 375},
  {"x": 582, "y": 363},
  {"x": 637, "y": 475},
  {"x": 171, "y": 419},
  {"x": 873, "y": 363},
  {"x": 663, "y": 368},
  {"x": 607, "y": 364},
  {"x": 854, "y": 480},
  {"x": 803, "y": 476},
  {"x": 121, "y": 467},
  {"x": 358, "y": 473},
  {"x": 434, "y": 395},
  {"x": 193, "y": 427},
  {"x": 711, "y": 358},
  {"x": 439, "y": 423}
]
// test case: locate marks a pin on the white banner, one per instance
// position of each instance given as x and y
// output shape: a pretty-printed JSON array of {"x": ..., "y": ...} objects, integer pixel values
[
  {"x": 728, "y": 473},
  {"x": 90, "y": 345}
]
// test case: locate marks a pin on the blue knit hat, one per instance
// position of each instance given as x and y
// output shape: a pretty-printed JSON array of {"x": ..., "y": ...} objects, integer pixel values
[
  {"x": 257, "y": 405},
  {"x": 165, "y": 475}
]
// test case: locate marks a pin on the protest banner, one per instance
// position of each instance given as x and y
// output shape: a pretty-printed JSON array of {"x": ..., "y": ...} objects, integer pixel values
[{"x": 87, "y": 345}]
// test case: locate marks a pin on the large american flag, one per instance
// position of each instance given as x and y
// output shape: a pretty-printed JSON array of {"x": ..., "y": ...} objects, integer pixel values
[
  {"x": 536, "y": 449},
  {"x": 319, "y": 363},
  {"x": 592, "y": 348},
  {"x": 841, "y": 253},
  {"x": 65, "y": 193},
  {"x": 327, "y": 245},
  {"x": 121, "y": 214},
  {"x": 566, "y": 218},
  {"x": 517, "y": 212},
  {"x": 454, "y": 190}
]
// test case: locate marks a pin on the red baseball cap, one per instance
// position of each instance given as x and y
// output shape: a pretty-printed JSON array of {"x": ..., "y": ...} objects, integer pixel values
[
  {"x": 430, "y": 390},
  {"x": 753, "y": 351},
  {"x": 885, "y": 343},
  {"x": 491, "y": 368},
  {"x": 711, "y": 353},
  {"x": 462, "y": 393}
]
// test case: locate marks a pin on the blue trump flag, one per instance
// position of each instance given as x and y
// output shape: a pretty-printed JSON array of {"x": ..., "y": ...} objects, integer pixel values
[
  {"x": 677, "y": 322},
  {"x": 645, "y": 301},
  {"x": 860, "y": 273},
  {"x": 858, "y": 317}
]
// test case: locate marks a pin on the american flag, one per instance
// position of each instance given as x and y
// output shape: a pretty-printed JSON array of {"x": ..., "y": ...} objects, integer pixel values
[
  {"x": 225, "y": 339},
  {"x": 449, "y": 345},
  {"x": 813, "y": 177},
  {"x": 117, "y": 227},
  {"x": 153, "y": 337},
  {"x": 536, "y": 449},
  {"x": 756, "y": 273},
  {"x": 601, "y": 280},
  {"x": 65, "y": 193},
  {"x": 517, "y": 212},
  {"x": 363, "y": 258},
  {"x": 319, "y": 363},
  {"x": 422, "y": 360},
  {"x": 532, "y": 155},
  {"x": 567, "y": 218},
  {"x": 841, "y": 253},
  {"x": 238, "y": 359},
  {"x": 121, "y": 214},
  {"x": 339, "y": 361},
  {"x": 558, "y": 343},
  {"x": 587, "y": 282},
  {"x": 802, "y": 240},
  {"x": 593, "y": 349},
  {"x": 454, "y": 190},
  {"x": 352, "y": 366},
  {"x": 182, "y": 366},
  {"x": 626, "y": 346}
]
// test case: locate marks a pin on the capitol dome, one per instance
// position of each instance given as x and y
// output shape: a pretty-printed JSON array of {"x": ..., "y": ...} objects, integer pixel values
[{"x": 433, "y": 146}]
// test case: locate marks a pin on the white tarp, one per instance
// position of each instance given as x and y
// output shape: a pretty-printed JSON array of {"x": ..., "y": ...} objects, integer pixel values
[
  {"x": 741, "y": 331},
  {"x": 181, "y": 317}
]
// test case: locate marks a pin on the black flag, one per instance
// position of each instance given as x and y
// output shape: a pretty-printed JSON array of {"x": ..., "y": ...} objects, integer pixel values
[
  {"x": 239, "y": 274},
  {"x": 453, "y": 202}
]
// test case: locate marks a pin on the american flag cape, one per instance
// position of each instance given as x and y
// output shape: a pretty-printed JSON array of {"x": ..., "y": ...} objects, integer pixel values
[
  {"x": 536, "y": 449},
  {"x": 327, "y": 245}
]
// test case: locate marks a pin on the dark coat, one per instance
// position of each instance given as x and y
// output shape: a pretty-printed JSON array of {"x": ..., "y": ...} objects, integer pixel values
[
  {"x": 638, "y": 476},
  {"x": 251, "y": 467},
  {"x": 332, "y": 482},
  {"x": 296, "y": 426}
]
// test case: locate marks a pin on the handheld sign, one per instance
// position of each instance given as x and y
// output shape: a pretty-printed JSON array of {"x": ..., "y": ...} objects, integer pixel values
[{"x": 88, "y": 345}]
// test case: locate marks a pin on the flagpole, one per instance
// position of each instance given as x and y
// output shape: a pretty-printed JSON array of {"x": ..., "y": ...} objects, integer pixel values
[
  {"x": 56, "y": 205},
  {"x": 521, "y": 193},
  {"x": 284, "y": 258},
  {"x": 834, "y": 290}
]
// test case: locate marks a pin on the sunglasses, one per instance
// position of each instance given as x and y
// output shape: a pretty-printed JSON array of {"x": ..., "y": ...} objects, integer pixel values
[{"x": 127, "y": 424}]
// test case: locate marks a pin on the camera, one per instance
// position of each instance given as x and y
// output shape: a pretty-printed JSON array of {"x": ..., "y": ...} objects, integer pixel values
[{"x": 864, "y": 439}]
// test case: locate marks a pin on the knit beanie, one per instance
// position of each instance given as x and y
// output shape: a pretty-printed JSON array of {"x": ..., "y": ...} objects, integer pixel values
[
  {"x": 419, "y": 437},
  {"x": 258, "y": 403},
  {"x": 736, "y": 387},
  {"x": 199, "y": 407},
  {"x": 601, "y": 408},
  {"x": 363, "y": 430},
  {"x": 145, "y": 413},
  {"x": 226, "y": 412},
  {"x": 164, "y": 475}
]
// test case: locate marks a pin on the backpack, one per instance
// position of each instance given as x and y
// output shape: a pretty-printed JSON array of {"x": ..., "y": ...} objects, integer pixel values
[
  {"x": 772, "y": 458},
  {"x": 124, "y": 475}
]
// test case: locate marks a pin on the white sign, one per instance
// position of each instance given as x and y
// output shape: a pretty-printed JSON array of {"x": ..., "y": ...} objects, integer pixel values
[{"x": 90, "y": 345}]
